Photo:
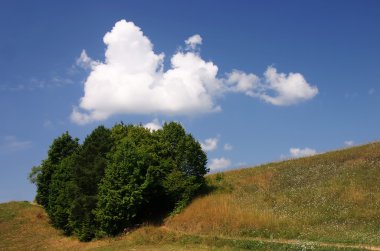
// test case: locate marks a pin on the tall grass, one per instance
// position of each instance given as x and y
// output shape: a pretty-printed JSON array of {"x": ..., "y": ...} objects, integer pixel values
[
  {"x": 25, "y": 227},
  {"x": 329, "y": 197}
]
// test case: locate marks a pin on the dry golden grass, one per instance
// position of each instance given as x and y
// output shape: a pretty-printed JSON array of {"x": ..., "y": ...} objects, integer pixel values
[
  {"x": 329, "y": 197},
  {"x": 27, "y": 228},
  {"x": 222, "y": 214}
]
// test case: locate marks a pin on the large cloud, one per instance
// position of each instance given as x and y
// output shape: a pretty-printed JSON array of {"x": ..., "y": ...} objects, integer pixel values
[{"x": 132, "y": 80}]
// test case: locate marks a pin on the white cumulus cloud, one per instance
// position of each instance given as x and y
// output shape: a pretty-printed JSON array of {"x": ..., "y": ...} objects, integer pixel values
[
  {"x": 275, "y": 88},
  {"x": 154, "y": 125},
  {"x": 210, "y": 144},
  {"x": 299, "y": 152},
  {"x": 132, "y": 80},
  {"x": 288, "y": 88},
  {"x": 239, "y": 81},
  {"x": 219, "y": 163}
]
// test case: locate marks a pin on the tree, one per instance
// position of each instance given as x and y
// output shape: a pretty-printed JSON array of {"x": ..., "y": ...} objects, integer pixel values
[
  {"x": 88, "y": 167},
  {"x": 148, "y": 172},
  {"x": 121, "y": 192},
  {"x": 186, "y": 161},
  {"x": 61, "y": 194},
  {"x": 61, "y": 148}
]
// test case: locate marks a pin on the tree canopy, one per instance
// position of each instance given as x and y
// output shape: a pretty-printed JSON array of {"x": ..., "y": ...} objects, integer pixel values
[{"x": 118, "y": 177}]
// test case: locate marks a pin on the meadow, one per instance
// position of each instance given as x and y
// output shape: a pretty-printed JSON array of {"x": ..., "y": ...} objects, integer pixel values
[
  {"x": 329, "y": 201},
  {"x": 331, "y": 197}
]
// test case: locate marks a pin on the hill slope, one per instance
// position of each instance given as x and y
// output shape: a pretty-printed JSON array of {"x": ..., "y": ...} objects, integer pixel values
[
  {"x": 332, "y": 197},
  {"x": 329, "y": 197}
]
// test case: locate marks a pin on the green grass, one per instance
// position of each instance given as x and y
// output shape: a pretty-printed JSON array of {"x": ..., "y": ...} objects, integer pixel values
[
  {"x": 152, "y": 238},
  {"x": 330, "y": 198}
]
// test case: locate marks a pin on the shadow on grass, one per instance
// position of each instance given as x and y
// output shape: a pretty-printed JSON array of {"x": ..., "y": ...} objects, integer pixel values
[{"x": 156, "y": 214}]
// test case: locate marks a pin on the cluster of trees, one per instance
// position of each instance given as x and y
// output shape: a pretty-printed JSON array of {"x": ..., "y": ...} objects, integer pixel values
[{"x": 118, "y": 177}]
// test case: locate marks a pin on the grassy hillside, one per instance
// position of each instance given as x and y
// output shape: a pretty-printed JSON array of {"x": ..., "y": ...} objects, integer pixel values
[
  {"x": 25, "y": 227},
  {"x": 329, "y": 198},
  {"x": 332, "y": 197}
]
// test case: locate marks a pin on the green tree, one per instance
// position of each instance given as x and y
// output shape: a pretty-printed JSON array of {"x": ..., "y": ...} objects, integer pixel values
[
  {"x": 61, "y": 195},
  {"x": 61, "y": 148},
  {"x": 148, "y": 172},
  {"x": 185, "y": 164},
  {"x": 121, "y": 192},
  {"x": 88, "y": 167}
]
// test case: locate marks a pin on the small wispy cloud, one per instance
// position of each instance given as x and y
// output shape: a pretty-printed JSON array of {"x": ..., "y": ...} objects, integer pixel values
[
  {"x": 210, "y": 144},
  {"x": 58, "y": 81},
  {"x": 193, "y": 41},
  {"x": 351, "y": 95},
  {"x": 86, "y": 62},
  {"x": 349, "y": 143},
  {"x": 34, "y": 84},
  {"x": 241, "y": 164},
  {"x": 301, "y": 152},
  {"x": 228, "y": 147},
  {"x": 48, "y": 123},
  {"x": 11, "y": 144},
  {"x": 219, "y": 163},
  {"x": 371, "y": 91}
]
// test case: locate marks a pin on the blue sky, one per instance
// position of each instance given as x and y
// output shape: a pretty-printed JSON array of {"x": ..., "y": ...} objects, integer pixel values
[{"x": 259, "y": 81}]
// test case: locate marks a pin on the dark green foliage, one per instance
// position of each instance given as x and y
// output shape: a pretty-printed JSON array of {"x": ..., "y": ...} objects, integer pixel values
[
  {"x": 88, "y": 167},
  {"x": 186, "y": 161},
  {"x": 118, "y": 178},
  {"x": 61, "y": 148},
  {"x": 148, "y": 174},
  {"x": 127, "y": 179},
  {"x": 61, "y": 195}
]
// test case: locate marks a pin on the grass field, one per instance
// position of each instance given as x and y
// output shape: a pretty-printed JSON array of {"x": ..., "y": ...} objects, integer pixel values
[
  {"x": 301, "y": 204},
  {"x": 24, "y": 226},
  {"x": 332, "y": 197}
]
